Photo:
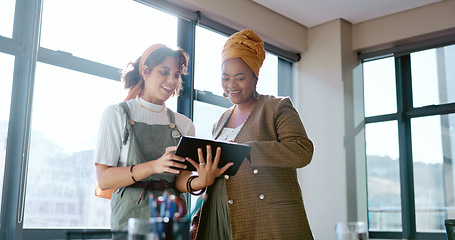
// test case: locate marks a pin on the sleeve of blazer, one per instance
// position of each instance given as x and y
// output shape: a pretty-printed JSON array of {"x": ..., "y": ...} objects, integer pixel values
[{"x": 292, "y": 148}]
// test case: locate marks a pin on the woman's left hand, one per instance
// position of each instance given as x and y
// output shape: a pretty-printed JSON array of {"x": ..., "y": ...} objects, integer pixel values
[{"x": 207, "y": 169}]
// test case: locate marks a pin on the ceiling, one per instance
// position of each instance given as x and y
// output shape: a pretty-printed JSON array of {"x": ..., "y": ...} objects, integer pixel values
[{"x": 310, "y": 13}]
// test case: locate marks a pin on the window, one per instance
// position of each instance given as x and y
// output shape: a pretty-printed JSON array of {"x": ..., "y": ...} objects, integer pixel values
[
  {"x": 384, "y": 195},
  {"x": 207, "y": 63},
  {"x": 410, "y": 133},
  {"x": 379, "y": 87},
  {"x": 119, "y": 36},
  {"x": 7, "y": 63},
  {"x": 432, "y": 77},
  {"x": 65, "y": 120},
  {"x": 268, "y": 76},
  {"x": 68, "y": 104},
  {"x": 7, "y": 17},
  {"x": 433, "y": 152}
]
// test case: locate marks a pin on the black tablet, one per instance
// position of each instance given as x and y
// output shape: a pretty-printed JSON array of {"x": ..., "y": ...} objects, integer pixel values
[{"x": 230, "y": 152}]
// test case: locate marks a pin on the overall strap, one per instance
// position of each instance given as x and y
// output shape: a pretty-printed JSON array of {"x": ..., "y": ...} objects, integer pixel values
[
  {"x": 126, "y": 109},
  {"x": 171, "y": 116},
  {"x": 175, "y": 131}
]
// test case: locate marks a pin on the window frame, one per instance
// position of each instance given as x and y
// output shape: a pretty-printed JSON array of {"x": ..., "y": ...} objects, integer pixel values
[
  {"x": 405, "y": 112},
  {"x": 27, "y": 20}
]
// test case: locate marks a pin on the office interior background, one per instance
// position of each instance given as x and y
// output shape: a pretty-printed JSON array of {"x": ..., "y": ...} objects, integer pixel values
[{"x": 377, "y": 98}]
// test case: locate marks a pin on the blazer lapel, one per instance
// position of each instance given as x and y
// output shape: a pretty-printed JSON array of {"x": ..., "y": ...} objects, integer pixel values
[
  {"x": 222, "y": 122},
  {"x": 246, "y": 126},
  {"x": 250, "y": 122}
]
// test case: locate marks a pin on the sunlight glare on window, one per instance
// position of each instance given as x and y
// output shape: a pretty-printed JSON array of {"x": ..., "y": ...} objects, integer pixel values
[
  {"x": 433, "y": 156},
  {"x": 207, "y": 67},
  {"x": 433, "y": 77},
  {"x": 268, "y": 76},
  {"x": 384, "y": 197},
  {"x": 7, "y": 63},
  {"x": 7, "y": 8},
  {"x": 379, "y": 87},
  {"x": 65, "y": 124},
  {"x": 112, "y": 37}
]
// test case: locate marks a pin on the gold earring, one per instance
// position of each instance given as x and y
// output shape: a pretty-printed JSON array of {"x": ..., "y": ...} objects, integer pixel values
[
  {"x": 225, "y": 95},
  {"x": 256, "y": 95}
]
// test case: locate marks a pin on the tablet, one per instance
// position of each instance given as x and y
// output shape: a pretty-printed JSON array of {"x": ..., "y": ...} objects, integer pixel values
[{"x": 230, "y": 152}]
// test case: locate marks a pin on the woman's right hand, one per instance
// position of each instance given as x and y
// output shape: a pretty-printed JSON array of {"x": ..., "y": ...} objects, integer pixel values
[
  {"x": 166, "y": 162},
  {"x": 110, "y": 177},
  {"x": 207, "y": 169}
]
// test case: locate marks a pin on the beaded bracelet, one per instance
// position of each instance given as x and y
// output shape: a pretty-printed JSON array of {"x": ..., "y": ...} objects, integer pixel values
[
  {"x": 191, "y": 190},
  {"x": 131, "y": 171}
]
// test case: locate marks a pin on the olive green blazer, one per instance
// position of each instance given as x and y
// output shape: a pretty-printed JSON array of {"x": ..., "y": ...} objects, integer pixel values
[{"x": 264, "y": 197}]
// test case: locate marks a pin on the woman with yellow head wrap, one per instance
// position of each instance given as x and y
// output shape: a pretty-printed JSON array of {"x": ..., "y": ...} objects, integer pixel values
[{"x": 263, "y": 200}]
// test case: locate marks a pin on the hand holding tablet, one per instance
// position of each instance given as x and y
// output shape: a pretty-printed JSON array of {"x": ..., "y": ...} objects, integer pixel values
[{"x": 230, "y": 152}]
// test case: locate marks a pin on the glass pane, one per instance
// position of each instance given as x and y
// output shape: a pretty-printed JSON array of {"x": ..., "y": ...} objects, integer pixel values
[
  {"x": 207, "y": 66},
  {"x": 67, "y": 108},
  {"x": 384, "y": 199},
  {"x": 205, "y": 115},
  {"x": 433, "y": 151},
  {"x": 379, "y": 87},
  {"x": 268, "y": 76},
  {"x": 433, "y": 76},
  {"x": 7, "y": 8},
  {"x": 207, "y": 60},
  {"x": 106, "y": 36},
  {"x": 7, "y": 69}
]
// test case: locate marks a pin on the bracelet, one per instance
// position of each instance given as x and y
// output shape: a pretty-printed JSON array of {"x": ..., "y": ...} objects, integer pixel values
[
  {"x": 131, "y": 171},
  {"x": 191, "y": 190}
]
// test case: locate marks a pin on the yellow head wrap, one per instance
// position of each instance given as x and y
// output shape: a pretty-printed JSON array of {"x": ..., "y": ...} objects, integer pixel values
[{"x": 246, "y": 45}]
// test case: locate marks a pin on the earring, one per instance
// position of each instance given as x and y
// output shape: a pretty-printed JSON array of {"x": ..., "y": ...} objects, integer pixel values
[
  {"x": 225, "y": 95},
  {"x": 256, "y": 95}
]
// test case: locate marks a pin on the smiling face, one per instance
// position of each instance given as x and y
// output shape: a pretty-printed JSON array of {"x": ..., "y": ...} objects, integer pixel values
[
  {"x": 238, "y": 81},
  {"x": 162, "y": 80}
]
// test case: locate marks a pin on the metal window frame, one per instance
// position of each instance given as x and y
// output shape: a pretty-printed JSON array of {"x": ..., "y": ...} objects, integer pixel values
[
  {"x": 26, "y": 32},
  {"x": 67, "y": 60},
  {"x": 185, "y": 39},
  {"x": 405, "y": 112}
]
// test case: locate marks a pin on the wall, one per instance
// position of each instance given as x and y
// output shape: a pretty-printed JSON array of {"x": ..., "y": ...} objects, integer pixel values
[
  {"x": 241, "y": 14},
  {"x": 434, "y": 20},
  {"x": 354, "y": 138},
  {"x": 319, "y": 93}
]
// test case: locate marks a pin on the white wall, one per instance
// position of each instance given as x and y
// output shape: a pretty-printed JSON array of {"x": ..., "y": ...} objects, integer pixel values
[
  {"x": 434, "y": 20},
  {"x": 319, "y": 100},
  {"x": 241, "y": 14}
]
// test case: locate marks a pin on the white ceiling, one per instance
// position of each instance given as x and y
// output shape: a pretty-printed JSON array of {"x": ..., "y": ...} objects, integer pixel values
[{"x": 310, "y": 13}]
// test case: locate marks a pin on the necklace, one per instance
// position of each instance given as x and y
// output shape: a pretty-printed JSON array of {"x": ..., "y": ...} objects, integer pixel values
[{"x": 142, "y": 106}]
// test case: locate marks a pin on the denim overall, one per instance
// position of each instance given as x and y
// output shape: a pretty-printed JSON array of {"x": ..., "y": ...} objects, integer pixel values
[{"x": 147, "y": 142}]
